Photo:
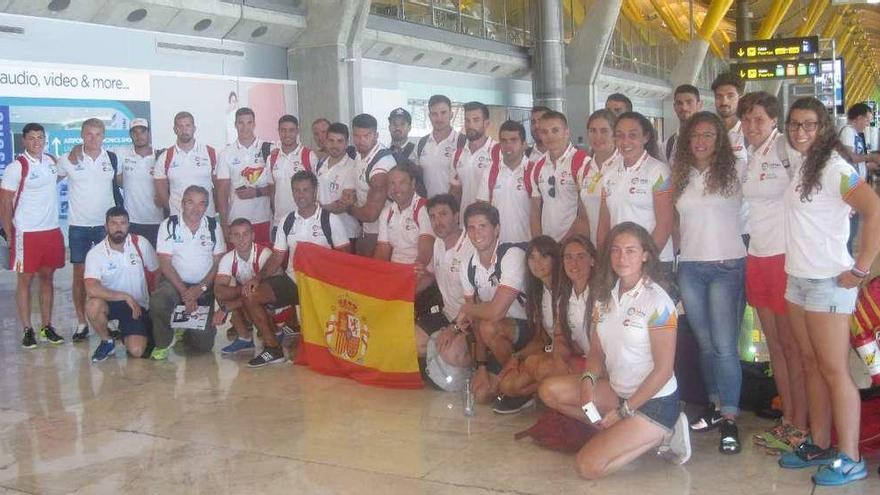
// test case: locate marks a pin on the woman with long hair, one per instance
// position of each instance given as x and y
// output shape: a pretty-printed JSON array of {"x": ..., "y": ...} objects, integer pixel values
[
  {"x": 822, "y": 286},
  {"x": 708, "y": 200},
  {"x": 764, "y": 182},
  {"x": 600, "y": 137},
  {"x": 628, "y": 389}
]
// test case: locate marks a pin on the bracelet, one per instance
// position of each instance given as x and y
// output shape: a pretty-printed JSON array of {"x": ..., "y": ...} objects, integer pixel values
[
  {"x": 624, "y": 411},
  {"x": 858, "y": 272},
  {"x": 589, "y": 375}
]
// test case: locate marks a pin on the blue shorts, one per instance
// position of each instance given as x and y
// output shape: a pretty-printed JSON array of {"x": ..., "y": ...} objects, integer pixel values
[
  {"x": 522, "y": 335},
  {"x": 128, "y": 326},
  {"x": 662, "y": 411},
  {"x": 821, "y": 295},
  {"x": 81, "y": 239}
]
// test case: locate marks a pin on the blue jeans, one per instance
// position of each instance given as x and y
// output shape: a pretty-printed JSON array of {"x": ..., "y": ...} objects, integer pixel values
[{"x": 712, "y": 293}]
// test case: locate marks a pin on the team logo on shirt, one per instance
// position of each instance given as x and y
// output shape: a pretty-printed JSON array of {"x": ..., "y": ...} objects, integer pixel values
[
  {"x": 346, "y": 332},
  {"x": 410, "y": 224},
  {"x": 252, "y": 174}
]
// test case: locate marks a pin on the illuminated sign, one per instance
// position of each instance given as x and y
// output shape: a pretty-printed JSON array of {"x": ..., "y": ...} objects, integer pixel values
[
  {"x": 775, "y": 48},
  {"x": 759, "y": 71}
]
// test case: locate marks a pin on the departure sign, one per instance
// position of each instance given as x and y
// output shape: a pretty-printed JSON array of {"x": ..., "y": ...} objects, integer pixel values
[
  {"x": 791, "y": 69},
  {"x": 776, "y": 48}
]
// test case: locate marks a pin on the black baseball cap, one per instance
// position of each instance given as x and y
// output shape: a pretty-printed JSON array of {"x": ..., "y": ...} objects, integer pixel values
[{"x": 400, "y": 112}]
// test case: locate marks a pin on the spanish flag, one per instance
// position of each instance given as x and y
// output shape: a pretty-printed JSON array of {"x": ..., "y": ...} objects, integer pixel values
[{"x": 357, "y": 317}]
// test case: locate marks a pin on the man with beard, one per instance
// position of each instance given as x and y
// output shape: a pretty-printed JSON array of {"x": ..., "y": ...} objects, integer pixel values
[
  {"x": 372, "y": 163},
  {"x": 287, "y": 159},
  {"x": 470, "y": 163},
  {"x": 728, "y": 88},
  {"x": 537, "y": 149},
  {"x": 435, "y": 151},
  {"x": 186, "y": 163},
  {"x": 506, "y": 186},
  {"x": 686, "y": 102},
  {"x": 399, "y": 125},
  {"x": 618, "y": 103},
  {"x": 319, "y": 136},
  {"x": 116, "y": 284}
]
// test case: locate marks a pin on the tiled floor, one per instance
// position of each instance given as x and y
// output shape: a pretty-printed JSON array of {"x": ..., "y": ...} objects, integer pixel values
[{"x": 208, "y": 424}]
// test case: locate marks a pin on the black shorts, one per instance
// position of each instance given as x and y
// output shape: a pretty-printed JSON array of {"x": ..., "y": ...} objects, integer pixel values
[
  {"x": 128, "y": 326},
  {"x": 284, "y": 289},
  {"x": 429, "y": 310}
]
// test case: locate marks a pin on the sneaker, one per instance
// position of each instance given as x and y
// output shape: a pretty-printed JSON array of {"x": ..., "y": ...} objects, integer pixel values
[
  {"x": 840, "y": 472},
  {"x": 159, "y": 354},
  {"x": 48, "y": 333},
  {"x": 81, "y": 334},
  {"x": 270, "y": 355},
  {"x": 678, "y": 451},
  {"x": 708, "y": 420},
  {"x": 105, "y": 350},
  {"x": 806, "y": 455},
  {"x": 729, "y": 443},
  {"x": 511, "y": 405},
  {"x": 29, "y": 339},
  {"x": 238, "y": 345}
]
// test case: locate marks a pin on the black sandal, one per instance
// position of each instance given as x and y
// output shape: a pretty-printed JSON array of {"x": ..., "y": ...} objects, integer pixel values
[{"x": 729, "y": 438}]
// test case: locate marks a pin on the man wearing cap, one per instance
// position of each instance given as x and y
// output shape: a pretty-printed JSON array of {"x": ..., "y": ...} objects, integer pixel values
[
  {"x": 399, "y": 125},
  {"x": 138, "y": 186}
]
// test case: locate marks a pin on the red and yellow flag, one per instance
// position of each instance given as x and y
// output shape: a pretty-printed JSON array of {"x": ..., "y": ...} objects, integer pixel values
[{"x": 357, "y": 317}]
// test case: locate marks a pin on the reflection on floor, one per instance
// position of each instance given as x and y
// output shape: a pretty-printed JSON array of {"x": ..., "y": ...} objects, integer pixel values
[{"x": 208, "y": 424}]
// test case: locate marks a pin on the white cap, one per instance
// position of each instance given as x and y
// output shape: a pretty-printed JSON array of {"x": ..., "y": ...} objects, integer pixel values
[{"x": 139, "y": 122}]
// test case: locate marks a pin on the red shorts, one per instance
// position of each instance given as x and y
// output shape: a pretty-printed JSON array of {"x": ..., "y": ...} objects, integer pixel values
[
  {"x": 261, "y": 233},
  {"x": 31, "y": 251},
  {"x": 765, "y": 282}
]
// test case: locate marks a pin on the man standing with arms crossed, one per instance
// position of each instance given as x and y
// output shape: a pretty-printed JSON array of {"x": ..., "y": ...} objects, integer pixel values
[
  {"x": 470, "y": 163},
  {"x": 372, "y": 163}
]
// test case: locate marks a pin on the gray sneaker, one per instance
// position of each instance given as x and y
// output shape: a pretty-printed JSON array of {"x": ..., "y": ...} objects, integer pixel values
[{"x": 678, "y": 450}]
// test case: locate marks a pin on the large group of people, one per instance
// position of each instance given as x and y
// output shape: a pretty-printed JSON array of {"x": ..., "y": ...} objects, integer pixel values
[{"x": 543, "y": 270}]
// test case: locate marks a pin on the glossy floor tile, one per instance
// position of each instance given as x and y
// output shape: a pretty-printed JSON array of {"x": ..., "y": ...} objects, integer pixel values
[{"x": 208, "y": 424}]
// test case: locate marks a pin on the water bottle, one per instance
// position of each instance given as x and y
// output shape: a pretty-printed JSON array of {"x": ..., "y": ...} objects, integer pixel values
[{"x": 469, "y": 398}]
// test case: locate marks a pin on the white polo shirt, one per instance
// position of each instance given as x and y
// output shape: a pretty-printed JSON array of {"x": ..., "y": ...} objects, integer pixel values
[
  {"x": 284, "y": 166},
  {"x": 816, "y": 231},
  {"x": 436, "y": 162},
  {"x": 403, "y": 228},
  {"x": 624, "y": 327},
  {"x": 242, "y": 270},
  {"x": 447, "y": 267},
  {"x": 579, "y": 315},
  {"x": 139, "y": 188},
  {"x": 192, "y": 253},
  {"x": 468, "y": 172},
  {"x": 764, "y": 182},
  {"x": 123, "y": 272},
  {"x": 37, "y": 208},
  {"x": 512, "y": 275},
  {"x": 591, "y": 190},
  {"x": 308, "y": 230},
  {"x": 187, "y": 168},
  {"x": 738, "y": 141},
  {"x": 547, "y": 312},
  {"x": 90, "y": 183},
  {"x": 332, "y": 181},
  {"x": 244, "y": 167},
  {"x": 510, "y": 195},
  {"x": 629, "y": 193},
  {"x": 559, "y": 192},
  {"x": 705, "y": 220},
  {"x": 362, "y": 182}
]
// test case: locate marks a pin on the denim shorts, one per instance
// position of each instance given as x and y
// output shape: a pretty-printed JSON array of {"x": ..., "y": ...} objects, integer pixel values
[
  {"x": 662, "y": 411},
  {"x": 821, "y": 295},
  {"x": 81, "y": 239}
]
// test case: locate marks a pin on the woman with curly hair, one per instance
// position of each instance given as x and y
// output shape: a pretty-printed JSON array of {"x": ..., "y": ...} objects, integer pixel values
[
  {"x": 628, "y": 387},
  {"x": 822, "y": 285},
  {"x": 708, "y": 199}
]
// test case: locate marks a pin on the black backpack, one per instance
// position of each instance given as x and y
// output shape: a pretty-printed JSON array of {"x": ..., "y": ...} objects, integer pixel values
[
  {"x": 503, "y": 248},
  {"x": 174, "y": 221},
  {"x": 118, "y": 197},
  {"x": 325, "y": 225}
]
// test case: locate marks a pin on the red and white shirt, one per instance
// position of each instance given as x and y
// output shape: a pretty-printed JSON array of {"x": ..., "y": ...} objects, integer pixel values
[
  {"x": 558, "y": 189},
  {"x": 510, "y": 194},
  {"x": 187, "y": 168},
  {"x": 402, "y": 229},
  {"x": 37, "y": 208},
  {"x": 245, "y": 167},
  {"x": 469, "y": 170},
  {"x": 241, "y": 270},
  {"x": 139, "y": 187},
  {"x": 436, "y": 162},
  {"x": 284, "y": 166},
  {"x": 362, "y": 184}
]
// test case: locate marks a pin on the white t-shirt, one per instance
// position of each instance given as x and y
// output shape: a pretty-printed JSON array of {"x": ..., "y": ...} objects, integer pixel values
[
  {"x": 469, "y": 171},
  {"x": 123, "y": 272},
  {"x": 187, "y": 168},
  {"x": 139, "y": 187},
  {"x": 447, "y": 267},
  {"x": 847, "y": 136},
  {"x": 308, "y": 230},
  {"x": 591, "y": 190},
  {"x": 284, "y": 166},
  {"x": 510, "y": 195},
  {"x": 705, "y": 220},
  {"x": 244, "y": 167},
  {"x": 738, "y": 142},
  {"x": 37, "y": 208},
  {"x": 547, "y": 312},
  {"x": 629, "y": 193},
  {"x": 764, "y": 182},
  {"x": 512, "y": 275},
  {"x": 192, "y": 253},
  {"x": 362, "y": 184},
  {"x": 436, "y": 162},
  {"x": 402, "y": 229},
  {"x": 579, "y": 316},
  {"x": 242, "y": 270},
  {"x": 90, "y": 185},
  {"x": 558, "y": 190},
  {"x": 624, "y": 329},
  {"x": 816, "y": 231},
  {"x": 332, "y": 181}
]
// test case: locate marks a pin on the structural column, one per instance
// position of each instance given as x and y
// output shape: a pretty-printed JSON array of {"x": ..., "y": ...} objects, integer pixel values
[
  {"x": 691, "y": 62},
  {"x": 548, "y": 68}
]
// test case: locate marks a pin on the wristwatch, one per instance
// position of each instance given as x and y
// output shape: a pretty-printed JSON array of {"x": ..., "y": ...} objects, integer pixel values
[
  {"x": 204, "y": 287},
  {"x": 624, "y": 411}
]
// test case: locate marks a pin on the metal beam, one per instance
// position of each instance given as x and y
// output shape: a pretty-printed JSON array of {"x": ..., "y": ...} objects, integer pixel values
[
  {"x": 834, "y": 21},
  {"x": 814, "y": 13},
  {"x": 773, "y": 19},
  {"x": 714, "y": 15},
  {"x": 671, "y": 21}
]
